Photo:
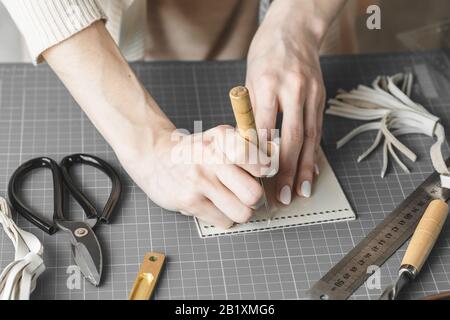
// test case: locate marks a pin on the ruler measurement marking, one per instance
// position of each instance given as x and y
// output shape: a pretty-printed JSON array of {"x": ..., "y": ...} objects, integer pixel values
[
  {"x": 381, "y": 243},
  {"x": 379, "y": 246}
]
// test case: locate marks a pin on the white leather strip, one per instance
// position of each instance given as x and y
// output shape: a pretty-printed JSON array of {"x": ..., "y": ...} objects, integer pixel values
[
  {"x": 365, "y": 127},
  {"x": 389, "y": 102},
  {"x": 396, "y": 92},
  {"x": 437, "y": 157},
  {"x": 397, "y": 159},
  {"x": 18, "y": 279},
  {"x": 385, "y": 159},
  {"x": 374, "y": 145}
]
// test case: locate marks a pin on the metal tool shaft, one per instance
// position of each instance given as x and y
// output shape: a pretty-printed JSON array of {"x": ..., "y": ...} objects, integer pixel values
[{"x": 404, "y": 277}]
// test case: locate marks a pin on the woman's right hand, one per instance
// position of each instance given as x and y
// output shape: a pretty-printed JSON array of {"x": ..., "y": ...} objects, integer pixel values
[{"x": 204, "y": 175}]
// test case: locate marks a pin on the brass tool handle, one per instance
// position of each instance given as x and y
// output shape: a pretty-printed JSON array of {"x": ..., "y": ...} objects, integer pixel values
[
  {"x": 147, "y": 277},
  {"x": 243, "y": 112},
  {"x": 426, "y": 234}
]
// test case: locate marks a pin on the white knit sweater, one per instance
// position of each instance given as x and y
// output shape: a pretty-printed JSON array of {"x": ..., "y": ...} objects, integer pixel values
[{"x": 45, "y": 23}]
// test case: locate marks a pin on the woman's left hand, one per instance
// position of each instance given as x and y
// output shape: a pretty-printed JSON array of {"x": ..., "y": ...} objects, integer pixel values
[{"x": 284, "y": 75}]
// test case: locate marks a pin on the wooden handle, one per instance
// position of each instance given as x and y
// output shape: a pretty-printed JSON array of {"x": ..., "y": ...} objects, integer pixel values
[
  {"x": 243, "y": 112},
  {"x": 426, "y": 234},
  {"x": 147, "y": 277}
]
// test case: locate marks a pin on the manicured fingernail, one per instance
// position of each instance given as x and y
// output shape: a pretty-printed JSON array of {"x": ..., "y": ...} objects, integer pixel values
[
  {"x": 286, "y": 195},
  {"x": 306, "y": 189},
  {"x": 317, "y": 169}
]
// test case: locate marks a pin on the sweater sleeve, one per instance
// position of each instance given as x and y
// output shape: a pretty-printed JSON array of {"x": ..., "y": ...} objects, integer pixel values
[{"x": 45, "y": 23}]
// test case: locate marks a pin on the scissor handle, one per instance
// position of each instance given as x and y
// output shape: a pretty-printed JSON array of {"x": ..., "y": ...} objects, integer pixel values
[
  {"x": 58, "y": 205},
  {"x": 91, "y": 212}
]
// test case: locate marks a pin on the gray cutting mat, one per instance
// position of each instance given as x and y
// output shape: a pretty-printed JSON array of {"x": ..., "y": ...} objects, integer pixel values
[{"x": 38, "y": 117}]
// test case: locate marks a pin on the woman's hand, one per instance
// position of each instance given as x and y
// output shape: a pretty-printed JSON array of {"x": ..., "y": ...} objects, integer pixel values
[
  {"x": 284, "y": 75},
  {"x": 205, "y": 175}
]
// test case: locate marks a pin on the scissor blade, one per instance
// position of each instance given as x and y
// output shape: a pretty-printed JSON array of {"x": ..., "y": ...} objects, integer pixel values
[
  {"x": 89, "y": 261},
  {"x": 86, "y": 249}
]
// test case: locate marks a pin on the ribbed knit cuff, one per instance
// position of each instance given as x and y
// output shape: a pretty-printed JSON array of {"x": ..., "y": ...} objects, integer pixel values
[{"x": 45, "y": 23}]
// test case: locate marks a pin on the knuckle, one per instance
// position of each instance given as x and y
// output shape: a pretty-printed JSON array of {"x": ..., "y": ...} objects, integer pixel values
[
  {"x": 322, "y": 90},
  {"x": 269, "y": 79},
  {"x": 295, "y": 79},
  {"x": 319, "y": 131},
  {"x": 311, "y": 133},
  {"x": 296, "y": 135},
  {"x": 315, "y": 87}
]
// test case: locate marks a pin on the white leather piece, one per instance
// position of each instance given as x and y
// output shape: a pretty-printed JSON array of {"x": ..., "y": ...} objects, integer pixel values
[
  {"x": 327, "y": 204},
  {"x": 397, "y": 159},
  {"x": 397, "y": 115},
  {"x": 357, "y": 131},
  {"x": 445, "y": 181},
  {"x": 396, "y": 92},
  {"x": 18, "y": 279}
]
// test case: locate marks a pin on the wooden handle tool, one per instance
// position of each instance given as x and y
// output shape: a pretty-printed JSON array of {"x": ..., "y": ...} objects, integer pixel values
[
  {"x": 243, "y": 112},
  {"x": 147, "y": 277},
  {"x": 419, "y": 248},
  {"x": 426, "y": 234},
  {"x": 245, "y": 120}
]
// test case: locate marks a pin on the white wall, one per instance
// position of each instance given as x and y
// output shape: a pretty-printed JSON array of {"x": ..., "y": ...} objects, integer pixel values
[{"x": 12, "y": 47}]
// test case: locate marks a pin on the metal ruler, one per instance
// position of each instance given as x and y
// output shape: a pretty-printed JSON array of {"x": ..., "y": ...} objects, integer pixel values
[{"x": 351, "y": 272}]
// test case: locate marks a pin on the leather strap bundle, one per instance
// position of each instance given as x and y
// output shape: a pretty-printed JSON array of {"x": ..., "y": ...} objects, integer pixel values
[
  {"x": 388, "y": 102},
  {"x": 18, "y": 279}
]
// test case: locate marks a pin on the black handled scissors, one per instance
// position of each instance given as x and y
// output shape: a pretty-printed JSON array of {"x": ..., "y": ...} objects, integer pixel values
[{"x": 86, "y": 249}]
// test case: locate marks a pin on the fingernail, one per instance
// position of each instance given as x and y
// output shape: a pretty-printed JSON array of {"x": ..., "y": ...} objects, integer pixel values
[
  {"x": 286, "y": 195},
  {"x": 306, "y": 189},
  {"x": 317, "y": 169}
]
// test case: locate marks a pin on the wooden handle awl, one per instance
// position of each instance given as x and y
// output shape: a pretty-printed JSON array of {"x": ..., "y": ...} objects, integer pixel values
[
  {"x": 426, "y": 234},
  {"x": 243, "y": 112}
]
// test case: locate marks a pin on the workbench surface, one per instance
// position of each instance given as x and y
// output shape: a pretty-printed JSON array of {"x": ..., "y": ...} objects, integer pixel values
[{"x": 38, "y": 117}]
